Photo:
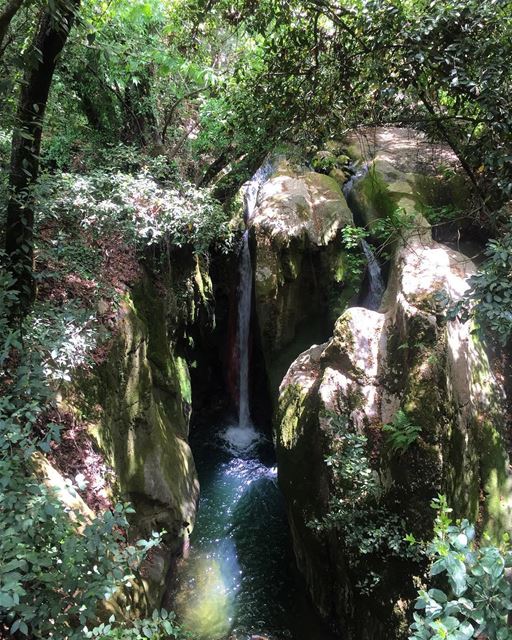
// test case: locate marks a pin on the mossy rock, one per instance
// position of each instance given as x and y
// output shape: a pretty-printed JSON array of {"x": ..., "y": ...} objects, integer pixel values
[
  {"x": 324, "y": 162},
  {"x": 141, "y": 397}
]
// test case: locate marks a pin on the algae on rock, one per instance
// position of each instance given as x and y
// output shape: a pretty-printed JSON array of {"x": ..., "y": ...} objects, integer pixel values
[
  {"x": 143, "y": 391},
  {"x": 137, "y": 404}
]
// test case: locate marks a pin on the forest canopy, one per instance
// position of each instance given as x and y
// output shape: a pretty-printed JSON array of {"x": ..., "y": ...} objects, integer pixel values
[{"x": 213, "y": 86}]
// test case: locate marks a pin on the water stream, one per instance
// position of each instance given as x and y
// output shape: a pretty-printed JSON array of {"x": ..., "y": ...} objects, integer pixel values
[
  {"x": 239, "y": 580},
  {"x": 371, "y": 297},
  {"x": 244, "y": 324},
  {"x": 376, "y": 287}
]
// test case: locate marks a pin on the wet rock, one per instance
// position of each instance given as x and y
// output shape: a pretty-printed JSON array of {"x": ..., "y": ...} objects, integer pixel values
[{"x": 340, "y": 175}]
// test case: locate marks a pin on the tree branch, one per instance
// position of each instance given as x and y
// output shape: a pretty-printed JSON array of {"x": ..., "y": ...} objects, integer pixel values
[{"x": 7, "y": 13}]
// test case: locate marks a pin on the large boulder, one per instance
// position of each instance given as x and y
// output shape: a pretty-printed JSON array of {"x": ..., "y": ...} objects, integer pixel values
[
  {"x": 301, "y": 277},
  {"x": 411, "y": 367},
  {"x": 405, "y": 172}
]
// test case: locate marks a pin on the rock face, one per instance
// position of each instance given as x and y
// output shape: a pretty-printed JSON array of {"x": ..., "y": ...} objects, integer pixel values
[
  {"x": 138, "y": 404},
  {"x": 144, "y": 391},
  {"x": 408, "y": 366},
  {"x": 300, "y": 274},
  {"x": 402, "y": 171}
]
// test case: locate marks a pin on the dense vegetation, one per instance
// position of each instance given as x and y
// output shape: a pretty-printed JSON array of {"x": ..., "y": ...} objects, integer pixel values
[{"x": 132, "y": 124}]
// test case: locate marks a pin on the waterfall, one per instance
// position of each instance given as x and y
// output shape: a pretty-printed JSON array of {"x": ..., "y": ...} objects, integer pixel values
[
  {"x": 241, "y": 438},
  {"x": 251, "y": 190},
  {"x": 244, "y": 325},
  {"x": 236, "y": 581},
  {"x": 376, "y": 286},
  {"x": 358, "y": 174}
]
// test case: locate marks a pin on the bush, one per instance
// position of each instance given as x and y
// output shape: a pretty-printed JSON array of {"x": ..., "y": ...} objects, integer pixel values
[
  {"x": 357, "y": 509},
  {"x": 475, "y": 597},
  {"x": 145, "y": 212}
]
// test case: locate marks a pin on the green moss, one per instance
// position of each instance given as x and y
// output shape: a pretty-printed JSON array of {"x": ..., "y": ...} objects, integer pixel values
[
  {"x": 323, "y": 183},
  {"x": 495, "y": 480},
  {"x": 442, "y": 191},
  {"x": 183, "y": 375},
  {"x": 291, "y": 259},
  {"x": 291, "y": 405},
  {"x": 372, "y": 199},
  {"x": 383, "y": 192},
  {"x": 140, "y": 396}
]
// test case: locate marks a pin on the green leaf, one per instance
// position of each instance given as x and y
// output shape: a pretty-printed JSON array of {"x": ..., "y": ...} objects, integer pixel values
[{"x": 437, "y": 595}]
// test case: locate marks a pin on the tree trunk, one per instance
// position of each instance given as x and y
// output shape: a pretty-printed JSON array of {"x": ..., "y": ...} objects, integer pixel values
[
  {"x": 50, "y": 38},
  {"x": 140, "y": 123},
  {"x": 7, "y": 13},
  {"x": 216, "y": 166}
]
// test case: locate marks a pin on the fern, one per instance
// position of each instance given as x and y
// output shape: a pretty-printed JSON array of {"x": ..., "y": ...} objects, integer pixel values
[{"x": 401, "y": 432}]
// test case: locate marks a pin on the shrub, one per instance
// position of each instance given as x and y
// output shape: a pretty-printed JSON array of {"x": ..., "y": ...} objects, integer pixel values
[
  {"x": 357, "y": 509},
  {"x": 138, "y": 206},
  {"x": 475, "y": 597}
]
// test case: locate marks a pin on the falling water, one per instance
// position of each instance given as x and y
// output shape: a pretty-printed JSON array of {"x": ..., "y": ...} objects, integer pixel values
[
  {"x": 241, "y": 437},
  {"x": 244, "y": 324},
  {"x": 376, "y": 287},
  {"x": 359, "y": 173}
]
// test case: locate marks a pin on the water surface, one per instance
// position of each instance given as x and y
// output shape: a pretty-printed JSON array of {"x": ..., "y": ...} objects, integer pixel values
[{"x": 240, "y": 579}]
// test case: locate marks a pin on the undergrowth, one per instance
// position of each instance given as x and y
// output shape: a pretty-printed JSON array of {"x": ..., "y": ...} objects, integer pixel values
[{"x": 371, "y": 533}]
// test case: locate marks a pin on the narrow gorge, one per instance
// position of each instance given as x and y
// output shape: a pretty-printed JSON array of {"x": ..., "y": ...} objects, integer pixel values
[
  {"x": 320, "y": 349},
  {"x": 256, "y": 320}
]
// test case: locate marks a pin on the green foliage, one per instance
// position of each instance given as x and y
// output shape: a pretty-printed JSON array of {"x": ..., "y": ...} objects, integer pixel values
[
  {"x": 138, "y": 207},
  {"x": 324, "y": 163},
  {"x": 5, "y": 147},
  {"x": 395, "y": 226},
  {"x": 473, "y": 595},
  {"x": 401, "y": 433},
  {"x": 352, "y": 236},
  {"x": 161, "y": 626},
  {"x": 489, "y": 299},
  {"x": 442, "y": 215},
  {"x": 491, "y": 289},
  {"x": 371, "y": 533},
  {"x": 63, "y": 337},
  {"x": 355, "y": 261}
]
